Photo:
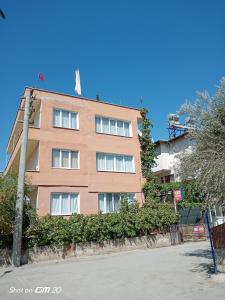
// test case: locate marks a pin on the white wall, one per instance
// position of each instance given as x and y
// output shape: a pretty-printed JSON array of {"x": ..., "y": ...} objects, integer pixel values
[
  {"x": 33, "y": 161},
  {"x": 37, "y": 119},
  {"x": 168, "y": 152}
]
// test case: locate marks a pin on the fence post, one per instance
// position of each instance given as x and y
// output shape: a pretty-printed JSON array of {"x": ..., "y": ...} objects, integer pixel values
[{"x": 211, "y": 243}]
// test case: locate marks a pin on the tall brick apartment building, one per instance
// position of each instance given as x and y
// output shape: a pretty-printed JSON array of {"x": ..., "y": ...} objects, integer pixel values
[{"x": 82, "y": 153}]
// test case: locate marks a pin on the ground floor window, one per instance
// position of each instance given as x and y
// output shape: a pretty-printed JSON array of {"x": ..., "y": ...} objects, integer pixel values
[
  {"x": 110, "y": 202},
  {"x": 64, "y": 203}
]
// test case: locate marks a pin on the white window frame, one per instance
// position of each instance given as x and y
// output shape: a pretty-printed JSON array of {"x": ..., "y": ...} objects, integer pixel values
[
  {"x": 116, "y": 120},
  {"x": 60, "y": 118},
  {"x": 114, "y": 163},
  {"x": 60, "y": 197},
  {"x": 60, "y": 159},
  {"x": 113, "y": 204}
]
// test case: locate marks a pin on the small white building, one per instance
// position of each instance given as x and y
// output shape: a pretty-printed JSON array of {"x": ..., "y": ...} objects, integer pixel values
[{"x": 167, "y": 152}]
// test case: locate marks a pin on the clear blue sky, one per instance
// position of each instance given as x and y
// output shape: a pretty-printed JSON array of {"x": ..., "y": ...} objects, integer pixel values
[{"x": 161, "y": 50}]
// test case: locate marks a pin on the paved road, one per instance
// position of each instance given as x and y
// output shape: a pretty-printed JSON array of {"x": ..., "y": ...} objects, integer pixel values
[{"x": 179, "y": 272}]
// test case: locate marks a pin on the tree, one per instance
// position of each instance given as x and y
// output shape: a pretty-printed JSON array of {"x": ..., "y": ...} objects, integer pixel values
[
  {"x": 8, "y": 193},
  {"x": 206, "y": 163},
  {"x": 147, "y": 155},
  {"x": 147, "y": 147}
]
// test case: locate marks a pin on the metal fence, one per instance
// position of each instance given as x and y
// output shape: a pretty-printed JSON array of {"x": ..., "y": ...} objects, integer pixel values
[{"x": 218, "y": 236}]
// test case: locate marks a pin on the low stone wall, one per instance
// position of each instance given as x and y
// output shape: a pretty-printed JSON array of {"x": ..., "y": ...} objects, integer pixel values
[{"x": 47, "y": 253}]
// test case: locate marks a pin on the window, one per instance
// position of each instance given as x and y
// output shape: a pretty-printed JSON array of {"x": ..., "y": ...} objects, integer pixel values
[
  {"x": 65, "y": 119},
  {"x": 114, "y": 163},
  {"x": 65, "y": 159},
  {"x": 140, "y": 125},
  {"x": 110, "y": 202},
  {"x": 64, "y": 203},
  {"x": 112, "y": 126},
  {"x": 105, "y": 125}
]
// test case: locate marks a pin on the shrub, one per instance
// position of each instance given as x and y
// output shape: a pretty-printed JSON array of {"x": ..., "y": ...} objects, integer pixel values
[
  {"x": 130, "y": 221},
  {"x": 8, "y": 192}
]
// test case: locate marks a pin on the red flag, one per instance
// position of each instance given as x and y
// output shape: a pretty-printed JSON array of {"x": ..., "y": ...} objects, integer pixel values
[{"x": 41, "y": 76}]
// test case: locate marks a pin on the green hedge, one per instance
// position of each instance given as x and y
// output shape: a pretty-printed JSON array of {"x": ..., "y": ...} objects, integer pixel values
[{"x": 131, "y": 221}]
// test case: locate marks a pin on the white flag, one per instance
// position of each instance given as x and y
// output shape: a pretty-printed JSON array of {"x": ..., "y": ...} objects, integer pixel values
[{"x": 77, "y": 82}]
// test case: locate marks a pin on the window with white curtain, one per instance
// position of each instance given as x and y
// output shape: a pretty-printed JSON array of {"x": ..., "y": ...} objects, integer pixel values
[
  {"x": 120, "y": 163},
  {"x": 128, "y": 161},
  {"x": 110, "y": 202},
  {"x": 65, "y": 119},
  {"x": 113, "y": 126},
  {"x": 114, "y": 163},
  {"x": 109, "y": 162},
  {"x": 98, "y": 124},
  {"x": 65, "y": 203},
  {"x": 67, "y": 159},
  {"x": 105, "y": 125}
]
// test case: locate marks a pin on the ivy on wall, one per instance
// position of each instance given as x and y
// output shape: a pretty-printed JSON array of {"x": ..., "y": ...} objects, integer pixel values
[{"x": 147, "y": 147}]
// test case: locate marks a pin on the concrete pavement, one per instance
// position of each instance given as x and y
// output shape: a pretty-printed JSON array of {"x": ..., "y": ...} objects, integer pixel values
[{"x": 178, "y": 272}]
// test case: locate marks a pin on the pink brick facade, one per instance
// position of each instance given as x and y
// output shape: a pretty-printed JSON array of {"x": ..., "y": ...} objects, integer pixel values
[{"x": 86, "y": 181}]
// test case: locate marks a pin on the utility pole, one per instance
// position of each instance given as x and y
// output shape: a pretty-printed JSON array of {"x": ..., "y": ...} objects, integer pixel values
[{"x": 17, "y": 235}]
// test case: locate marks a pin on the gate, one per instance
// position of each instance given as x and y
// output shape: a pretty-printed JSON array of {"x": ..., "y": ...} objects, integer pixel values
[{"x": 193, "y": 232}]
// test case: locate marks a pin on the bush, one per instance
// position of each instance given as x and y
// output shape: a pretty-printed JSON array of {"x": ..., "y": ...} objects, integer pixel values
[
  {"x": 8, "y": 192},
  {"x": 131, "y": 221}
]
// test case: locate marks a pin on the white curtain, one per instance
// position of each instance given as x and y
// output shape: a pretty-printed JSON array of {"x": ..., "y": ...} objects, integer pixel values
[
  {"x": 55, "y": 204},
  {"x": 112, "y": 126},
  {"x": 119, "y": 164},
  {"x": 65, "y": 159},
  {"x": 109, "y": 204},
  {"x": 98, "y": 124},
  {"x": 74, "y": 159},
  {"x": 65, "y": 204},
  {"x": 101, "y": 206},
  {"x": 55, "y": 158},
  {"x": 74, "y": 203},
  {"x": 109, "y": 162},
  {"x": 126, "y": 129},
  {"x": 105, "y": 125},
  {"x": 65, "y": 119},
  {"x": 73, "y": 120},
  {"x": 120, "y": 128},
  {"x": 100, "y": 162},
  {"x": 116, "y": 202},
  {"x": 128, "y": 163},
  {"x": 56, "y": 118}
]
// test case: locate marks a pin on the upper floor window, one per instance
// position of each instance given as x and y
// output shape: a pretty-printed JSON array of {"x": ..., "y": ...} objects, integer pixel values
[
  {"x": 114, "y": 163},
  {"x": 112, "y": 126},
  {"x": 64, "y": 203},
  {"x": 65, "y": 119},
  {"x": 65, "y": 159},
  {"x": 139, "y": 121}
]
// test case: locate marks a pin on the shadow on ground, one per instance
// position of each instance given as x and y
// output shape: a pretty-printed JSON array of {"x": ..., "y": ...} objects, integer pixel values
[
  {"x": 204, "y": 267},
  {"x": 199, "y": 253}
]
